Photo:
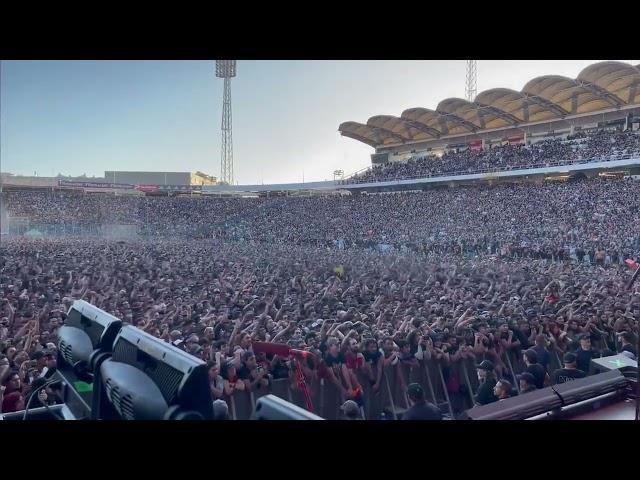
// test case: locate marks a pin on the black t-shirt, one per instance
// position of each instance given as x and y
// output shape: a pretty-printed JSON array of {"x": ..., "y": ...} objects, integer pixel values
[
  {"x": 538, "y": 373},
  {"x": 423, "y": 411},
  {"x": 371, "y": 358},
  {"x": 485, "y": 393},
  {"x": 628, "y": 348},
  {"x": 583, "y": 361},
  {"x": 331, "y": 361},
  {"x": 520, "y": 336},
  {"x": 543, "y": 356},
  {"x": 244, "y": 373},
  {"x": 563, "y": 375},
  {"x": 280, "y": 370}
]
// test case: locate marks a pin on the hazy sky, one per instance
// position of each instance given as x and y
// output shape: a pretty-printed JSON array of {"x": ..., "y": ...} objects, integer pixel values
[{"x": 75, "y": 117}]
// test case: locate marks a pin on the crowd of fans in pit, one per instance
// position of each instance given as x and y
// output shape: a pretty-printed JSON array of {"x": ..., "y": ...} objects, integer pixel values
[
  {"x": 362, "y": 281},
  {"x": 470, "y": 272},
  {"x": 355, "y": 310},
  {"x": 578, "y": 148}
]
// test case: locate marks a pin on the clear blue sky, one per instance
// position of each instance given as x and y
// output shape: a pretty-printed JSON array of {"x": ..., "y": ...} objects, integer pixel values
[{"x": 75, "y": 117}]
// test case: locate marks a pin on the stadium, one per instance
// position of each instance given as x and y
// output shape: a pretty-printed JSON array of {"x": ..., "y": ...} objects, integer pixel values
[{"x": 481, "y": 267}]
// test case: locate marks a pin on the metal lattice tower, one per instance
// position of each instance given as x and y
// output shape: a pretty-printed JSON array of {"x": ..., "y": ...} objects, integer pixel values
[
  {"x": 226, "y": 69},
  {"x": 472, "y": 76}
]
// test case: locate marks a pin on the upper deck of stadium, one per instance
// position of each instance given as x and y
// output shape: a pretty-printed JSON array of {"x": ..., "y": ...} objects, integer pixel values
[{"x": 603, "y": 90}]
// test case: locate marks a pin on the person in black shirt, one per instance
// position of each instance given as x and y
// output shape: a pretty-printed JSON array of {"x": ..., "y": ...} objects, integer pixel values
[
  {"x": 373, "y": 365},
  {"x": 625, "y": 339},
  {"x": 253, "y": 375},
  {"x": 569, "y": 372},
  {"x": 420, "y": 408},
  {"x": 534, "y": 368},
  {"x": 527, "y": 383},
  {"x": 502, "y": 390},
  {"x": 486, "y": 375},
  {"x": 542, "y": 352},
  {"x": 585, "y": 353}
]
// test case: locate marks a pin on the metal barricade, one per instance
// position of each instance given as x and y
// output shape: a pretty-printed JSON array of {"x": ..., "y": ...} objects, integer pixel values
[
  {"x": 280, "y": 388},
  {"x": 507, "y": 359},
  {"x": 330, "y": 400},
  {"x": 433, "y": 372},
  {"x": 243, "y": 404},
  {"x": 372, "y": 400}
]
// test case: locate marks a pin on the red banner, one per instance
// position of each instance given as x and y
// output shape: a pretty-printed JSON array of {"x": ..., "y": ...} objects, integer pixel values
[{"x": 476, "y": 145}]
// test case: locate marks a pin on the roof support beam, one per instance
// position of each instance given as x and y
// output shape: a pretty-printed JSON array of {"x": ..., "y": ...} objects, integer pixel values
[
  {"x": 460, "y": 121},
  {"x": 393, "y": 134},
  {"x": 507, "y": 117},
  {"x": 602, "y": 93},
  {"x": 360, "y": 138},
  {"x": 633, "y": 91},
  {"x": 422, "y": 127},
  {"x": 547, "y": 105},
  {"x": 443, "y": 125},
  {"x": 481, "y": 119}
]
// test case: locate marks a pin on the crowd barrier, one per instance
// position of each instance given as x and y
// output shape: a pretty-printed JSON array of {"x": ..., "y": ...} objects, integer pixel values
[{"x": 451, "y": 386}]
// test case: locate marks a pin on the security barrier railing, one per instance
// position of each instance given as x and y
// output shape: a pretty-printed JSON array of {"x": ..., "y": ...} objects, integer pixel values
[{"x": 451, "y": 386}]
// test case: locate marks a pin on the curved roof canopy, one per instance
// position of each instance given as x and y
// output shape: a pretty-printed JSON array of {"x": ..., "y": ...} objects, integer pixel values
[{"x": 599, "y": 86}]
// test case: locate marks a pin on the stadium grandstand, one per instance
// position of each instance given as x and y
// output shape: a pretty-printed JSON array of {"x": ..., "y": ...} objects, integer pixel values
[{"x": 482, "y": 267}]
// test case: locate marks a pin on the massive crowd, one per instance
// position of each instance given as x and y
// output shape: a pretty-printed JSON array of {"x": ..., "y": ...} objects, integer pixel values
[
  {"x": 492, "y": 275},
  {"x": 544, "y": 153},
  {"x": 592, "y": 220},
  {"x": 502, "y": 279},
  {"x": 356, "y": 310}
]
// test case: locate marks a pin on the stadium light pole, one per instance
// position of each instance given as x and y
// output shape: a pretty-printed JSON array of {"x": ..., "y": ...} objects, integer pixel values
[
  {"x": 226, "y": 69},
  {"x": 471, "y": 83}
]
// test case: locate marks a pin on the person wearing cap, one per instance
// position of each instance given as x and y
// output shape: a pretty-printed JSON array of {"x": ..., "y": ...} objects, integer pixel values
[
  {"x": 488, "y": 382},
  {"x": 570, "y": 371},
  {"x": 420, "y": 408},
  {"x": 350, "y": 410},
  {"x": 527, "y": 383}
]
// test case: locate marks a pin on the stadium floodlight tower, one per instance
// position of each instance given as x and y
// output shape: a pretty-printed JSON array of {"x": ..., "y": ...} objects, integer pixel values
[
  {"x": 226, "y": 69},
  {"x": 471, "y": 84}
]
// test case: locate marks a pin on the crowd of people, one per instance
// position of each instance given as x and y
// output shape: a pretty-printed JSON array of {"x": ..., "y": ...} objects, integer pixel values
[
  {"x": 556, "y": 151},
  {"x": 589, "y": 220},
  {"x": 473, "y": 273},
  {"x": 356, "y": 310}
]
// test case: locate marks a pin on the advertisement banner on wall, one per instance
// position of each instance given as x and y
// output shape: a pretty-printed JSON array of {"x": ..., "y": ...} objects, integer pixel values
[{"x": 70, "y": 183}]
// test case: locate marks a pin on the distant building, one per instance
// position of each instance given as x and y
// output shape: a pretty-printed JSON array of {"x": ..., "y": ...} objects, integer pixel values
[
  {"x": 200, "y": 178},
  {"x": 148, "y": 178}
]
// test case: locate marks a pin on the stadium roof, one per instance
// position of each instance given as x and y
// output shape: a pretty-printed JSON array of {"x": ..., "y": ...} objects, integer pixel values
[{"x": 598, "y": 87}]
